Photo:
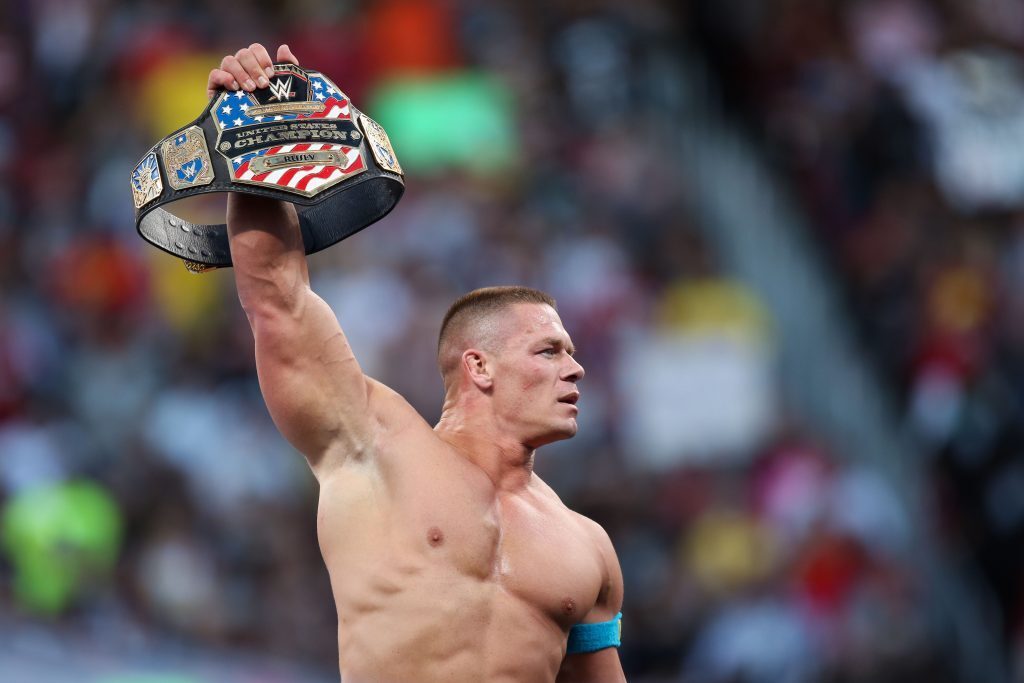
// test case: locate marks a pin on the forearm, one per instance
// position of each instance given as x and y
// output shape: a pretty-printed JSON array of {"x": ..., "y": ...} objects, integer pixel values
[{"x": 267, "y": 253}]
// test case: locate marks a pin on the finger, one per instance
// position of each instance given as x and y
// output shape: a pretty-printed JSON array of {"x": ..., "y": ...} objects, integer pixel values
[
  {"x": 252, "y": 67},
  {"x": 235, "y": 68},
  {"x": 284, "y": 54},
  {"x": 263, "y": 57},
  {"x": 219, "y": 78}
]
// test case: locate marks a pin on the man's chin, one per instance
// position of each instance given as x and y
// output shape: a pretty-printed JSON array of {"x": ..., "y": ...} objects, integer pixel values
[{"x": 560, "y": 433}]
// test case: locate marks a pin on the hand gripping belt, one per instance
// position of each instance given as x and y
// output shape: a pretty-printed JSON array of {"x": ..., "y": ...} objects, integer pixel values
[{"x": 299, "y": 140}]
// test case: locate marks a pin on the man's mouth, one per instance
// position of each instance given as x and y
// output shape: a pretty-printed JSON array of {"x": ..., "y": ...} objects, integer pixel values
[{"x": 571, "y": 399}]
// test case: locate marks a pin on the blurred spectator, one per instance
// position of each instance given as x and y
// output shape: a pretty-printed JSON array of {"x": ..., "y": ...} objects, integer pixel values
[
  {"x": 63, "y": 540},
  {"x": 899, "y": 125}
]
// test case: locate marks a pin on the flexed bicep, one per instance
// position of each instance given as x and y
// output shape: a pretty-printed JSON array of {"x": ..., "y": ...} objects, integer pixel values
[{"x": 312, "y": 384}]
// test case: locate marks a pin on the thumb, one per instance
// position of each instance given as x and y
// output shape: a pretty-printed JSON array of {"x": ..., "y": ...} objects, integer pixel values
[{"x": 284, "y": 54}]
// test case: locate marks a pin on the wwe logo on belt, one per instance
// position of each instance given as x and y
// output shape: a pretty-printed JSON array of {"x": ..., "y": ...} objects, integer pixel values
[
  {"x": 282, "y": 90},
  {"x": 190, "y": 169}
]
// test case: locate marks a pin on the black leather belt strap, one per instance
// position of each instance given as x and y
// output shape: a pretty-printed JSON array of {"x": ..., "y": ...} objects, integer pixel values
[{"x": 298, "y": 140}]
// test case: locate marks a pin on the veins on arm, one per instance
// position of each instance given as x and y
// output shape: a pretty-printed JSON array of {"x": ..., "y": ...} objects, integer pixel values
[
  {"x": 267, "y": 252},
  {"x": 312, "y": 385}
]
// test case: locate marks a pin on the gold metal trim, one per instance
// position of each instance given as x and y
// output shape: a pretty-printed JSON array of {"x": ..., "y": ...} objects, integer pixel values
[
  {"x": 286, "y": 108},
  {"x": 380, "y": 145},
  {"x": 197, "y": 268},
  {"x": 176, "y": 156},
  {"x": 271, "y": 162}
]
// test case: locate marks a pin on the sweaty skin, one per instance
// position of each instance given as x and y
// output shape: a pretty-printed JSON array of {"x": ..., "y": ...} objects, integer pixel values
[{"x": 449, "y": 559}]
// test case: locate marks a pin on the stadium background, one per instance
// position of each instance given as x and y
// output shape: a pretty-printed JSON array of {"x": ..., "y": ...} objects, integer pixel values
[{"x": 786, "y": 237}]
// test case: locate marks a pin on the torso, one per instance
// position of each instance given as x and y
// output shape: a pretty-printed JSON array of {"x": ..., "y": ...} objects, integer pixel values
[{"x": 438, "y": 577}]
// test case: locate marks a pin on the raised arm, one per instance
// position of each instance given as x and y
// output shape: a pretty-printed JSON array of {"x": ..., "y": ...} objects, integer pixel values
[{"x": 314, "y": 389}]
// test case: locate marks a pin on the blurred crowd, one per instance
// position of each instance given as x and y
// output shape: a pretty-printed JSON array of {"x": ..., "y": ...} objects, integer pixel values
[
  {"x": 899, "y": 124},
  {"x": 144, "y": 492}
]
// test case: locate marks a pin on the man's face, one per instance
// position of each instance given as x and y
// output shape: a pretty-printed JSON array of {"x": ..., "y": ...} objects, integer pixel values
[{"x": 535, "y": 375}]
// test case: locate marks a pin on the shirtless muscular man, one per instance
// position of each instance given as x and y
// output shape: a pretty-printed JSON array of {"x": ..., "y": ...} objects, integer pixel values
[{"x": 449, "y": 559}]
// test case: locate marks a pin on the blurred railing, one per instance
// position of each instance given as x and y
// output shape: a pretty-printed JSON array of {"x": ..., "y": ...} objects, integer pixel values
[{"x": 759, "y": 234}]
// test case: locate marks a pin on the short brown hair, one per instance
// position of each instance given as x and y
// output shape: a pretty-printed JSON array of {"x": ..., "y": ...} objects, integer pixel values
[{"x": 481, "y": 302}]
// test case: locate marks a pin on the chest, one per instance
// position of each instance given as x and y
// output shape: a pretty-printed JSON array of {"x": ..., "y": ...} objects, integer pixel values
[
  {"x": 527, "y": 547},
  {"x": 547, "y": 559}
]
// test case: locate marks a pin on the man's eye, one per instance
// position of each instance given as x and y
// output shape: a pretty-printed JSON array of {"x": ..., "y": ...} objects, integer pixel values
[{"x": 548, "y": 352}]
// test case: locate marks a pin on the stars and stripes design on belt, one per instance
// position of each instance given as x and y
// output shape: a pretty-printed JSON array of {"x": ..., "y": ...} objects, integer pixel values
[
  {"x": 306, "y": 178},
  {"x": 231, "y": 111}
]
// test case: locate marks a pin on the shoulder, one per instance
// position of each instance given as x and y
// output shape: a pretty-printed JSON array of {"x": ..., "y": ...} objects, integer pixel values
[
  {"x": 588, "y": 527},
  {"x": 598, "y": 536},
  {"x": 612, "y": 590}
]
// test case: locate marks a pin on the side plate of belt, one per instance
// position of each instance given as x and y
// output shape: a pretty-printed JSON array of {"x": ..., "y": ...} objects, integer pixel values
[{"x": 300, "y": 140}]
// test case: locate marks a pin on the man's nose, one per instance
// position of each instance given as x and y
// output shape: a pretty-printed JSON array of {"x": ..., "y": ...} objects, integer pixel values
[{"x": 574, "y": 372}]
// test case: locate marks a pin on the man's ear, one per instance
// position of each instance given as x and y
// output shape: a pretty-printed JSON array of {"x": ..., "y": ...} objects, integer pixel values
[{"x": 478, "y": 367}]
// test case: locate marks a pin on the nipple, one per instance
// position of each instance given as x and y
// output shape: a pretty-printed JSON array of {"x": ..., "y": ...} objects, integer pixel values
[
  {"x": 435, "y": 536},
  {"x": 569, "y": 606}
]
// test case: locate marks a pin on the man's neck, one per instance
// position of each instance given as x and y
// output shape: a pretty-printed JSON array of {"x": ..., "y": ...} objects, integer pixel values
[{"x": 477, "y": 437}]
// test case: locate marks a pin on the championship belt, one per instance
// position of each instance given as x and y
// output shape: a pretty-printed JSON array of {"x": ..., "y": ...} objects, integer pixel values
[{"x": 299, "y": 140}]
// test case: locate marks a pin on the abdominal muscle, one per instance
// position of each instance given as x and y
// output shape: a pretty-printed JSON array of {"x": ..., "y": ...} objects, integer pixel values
[
  {"x": 439, "y": 629},
  {"x": 408, "y": 614}
]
